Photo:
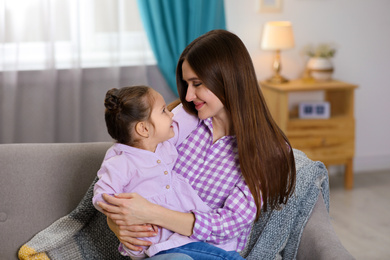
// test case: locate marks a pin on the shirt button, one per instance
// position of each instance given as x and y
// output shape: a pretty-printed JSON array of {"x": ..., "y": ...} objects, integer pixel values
[
  {"x": 165, "y": 172},
  {"x": 158, "y": 161},
  {"x": 167, "y": 186}
]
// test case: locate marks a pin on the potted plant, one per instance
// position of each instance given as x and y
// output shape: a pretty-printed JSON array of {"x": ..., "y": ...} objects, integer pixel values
[{"x": 319, "y": 64}]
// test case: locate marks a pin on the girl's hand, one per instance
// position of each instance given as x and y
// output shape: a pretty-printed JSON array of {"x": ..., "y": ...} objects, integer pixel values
[
  {"x": 127, "y": 235},
  {"x": 127, "y": 209}
]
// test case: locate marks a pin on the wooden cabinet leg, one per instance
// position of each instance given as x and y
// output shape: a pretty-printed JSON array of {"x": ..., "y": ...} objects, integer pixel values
[{"x": 348, "y": 175}]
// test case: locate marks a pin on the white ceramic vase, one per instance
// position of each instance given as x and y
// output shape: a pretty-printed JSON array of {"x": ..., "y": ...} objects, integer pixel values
[{"x": 321, "y": 69}]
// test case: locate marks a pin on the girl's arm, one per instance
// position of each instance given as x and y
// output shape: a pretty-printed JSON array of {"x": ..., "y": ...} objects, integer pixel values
[
  {"x": 183, "y": 124},
  {"x": 128, "y": 209},
  {"x": 112, "y": 177},
  {"x": 128, "y": 235}
]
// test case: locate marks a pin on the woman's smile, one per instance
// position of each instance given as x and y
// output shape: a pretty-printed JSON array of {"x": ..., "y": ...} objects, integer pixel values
[{"x": 198, "y": 105}]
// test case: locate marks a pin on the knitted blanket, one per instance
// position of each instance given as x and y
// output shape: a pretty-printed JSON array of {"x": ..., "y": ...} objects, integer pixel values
[
  {"x": 276, "y": 235},
  {"x": 84, "y": 234}
]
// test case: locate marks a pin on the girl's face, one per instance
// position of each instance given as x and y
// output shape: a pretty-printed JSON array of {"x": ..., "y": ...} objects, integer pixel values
[
  {"x": 161, "y": 119},
  {"x": 205, "y": 101}
]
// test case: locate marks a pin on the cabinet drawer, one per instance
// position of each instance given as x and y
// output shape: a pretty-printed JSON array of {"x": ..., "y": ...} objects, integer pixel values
[
  {"x": 328, "y": 147},
  {"x": 336, "y": 126},
  {"x": 323, "y": 139}
]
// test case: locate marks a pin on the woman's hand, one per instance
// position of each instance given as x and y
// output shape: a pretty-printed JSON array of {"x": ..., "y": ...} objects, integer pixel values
[
  {"x": 127, "y": 209},
  {"x": 128, "y": 235}
]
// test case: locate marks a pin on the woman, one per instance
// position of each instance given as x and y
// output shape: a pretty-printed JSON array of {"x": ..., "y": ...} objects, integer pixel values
[{"x": 237, "y": 159}]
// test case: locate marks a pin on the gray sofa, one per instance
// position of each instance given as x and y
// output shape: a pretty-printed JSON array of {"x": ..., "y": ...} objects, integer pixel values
[{"x": 41, "y": 183}]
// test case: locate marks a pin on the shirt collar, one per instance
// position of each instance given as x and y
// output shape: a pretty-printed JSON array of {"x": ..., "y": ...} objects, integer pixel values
[
  {"x": 208, "y": 123},
  {"x": 133, "y": 150}
]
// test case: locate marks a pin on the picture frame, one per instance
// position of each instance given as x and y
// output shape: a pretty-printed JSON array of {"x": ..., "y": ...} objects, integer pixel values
[
  {"x": 314, "y": 110},
  {"x": 269, "y": 6}
]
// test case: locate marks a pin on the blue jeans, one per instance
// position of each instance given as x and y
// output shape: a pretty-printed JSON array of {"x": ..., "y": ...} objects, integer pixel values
[
  {"x": 203, "y": 251},
  {"x": 171, "y": 256}
]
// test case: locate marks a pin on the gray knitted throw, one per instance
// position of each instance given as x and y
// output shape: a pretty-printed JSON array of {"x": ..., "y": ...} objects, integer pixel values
[{"x": 84, "y": 234}]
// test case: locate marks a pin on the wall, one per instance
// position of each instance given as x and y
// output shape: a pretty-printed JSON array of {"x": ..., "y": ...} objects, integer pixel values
[{"x": 361, "y": 31}]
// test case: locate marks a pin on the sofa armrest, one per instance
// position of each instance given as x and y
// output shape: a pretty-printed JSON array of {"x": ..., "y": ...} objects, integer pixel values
[
  {"x": 41, "y": 183},
  {"x": 319, "y": 240}
]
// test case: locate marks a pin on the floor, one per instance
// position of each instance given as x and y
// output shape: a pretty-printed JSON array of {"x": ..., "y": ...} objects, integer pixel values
[{"x": 361, "y": 217}]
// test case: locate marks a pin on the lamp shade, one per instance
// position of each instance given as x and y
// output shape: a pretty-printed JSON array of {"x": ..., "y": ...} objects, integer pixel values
[{"x": 277, "y": 36}]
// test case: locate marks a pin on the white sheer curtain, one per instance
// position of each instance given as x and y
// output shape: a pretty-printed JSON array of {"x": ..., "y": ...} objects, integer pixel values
[{"x": 57, "y": 60}]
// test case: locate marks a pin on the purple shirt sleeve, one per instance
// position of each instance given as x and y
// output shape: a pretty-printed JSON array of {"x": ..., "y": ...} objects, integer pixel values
[
  {"x": 113, "y": 176},
  {"x": 228, "y": 222},
  {"x": 184, "y": 124}
]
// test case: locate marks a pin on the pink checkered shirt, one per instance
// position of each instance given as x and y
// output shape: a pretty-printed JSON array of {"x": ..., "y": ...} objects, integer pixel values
[{"x": 213, "y": 170}]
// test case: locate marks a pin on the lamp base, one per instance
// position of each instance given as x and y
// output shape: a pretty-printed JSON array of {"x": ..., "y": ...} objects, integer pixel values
[{"x": 277, "y": 79}]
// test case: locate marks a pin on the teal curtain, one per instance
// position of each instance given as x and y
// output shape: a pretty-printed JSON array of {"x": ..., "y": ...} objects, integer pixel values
[{"x": 172, "y": 24}]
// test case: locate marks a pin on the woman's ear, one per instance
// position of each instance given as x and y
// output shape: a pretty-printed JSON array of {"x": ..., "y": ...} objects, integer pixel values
[{"x": 142, "y": 129}]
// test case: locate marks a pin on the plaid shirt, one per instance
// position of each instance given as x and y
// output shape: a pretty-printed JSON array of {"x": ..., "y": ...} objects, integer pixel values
[{"x": 213, "y": 170}]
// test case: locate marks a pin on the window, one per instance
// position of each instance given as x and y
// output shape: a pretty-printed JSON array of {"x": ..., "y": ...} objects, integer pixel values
[{"x": 47, "y": 34}]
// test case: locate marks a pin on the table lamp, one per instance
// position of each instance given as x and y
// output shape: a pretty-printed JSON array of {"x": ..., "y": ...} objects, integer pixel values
[{"x": 277, "y": 36}]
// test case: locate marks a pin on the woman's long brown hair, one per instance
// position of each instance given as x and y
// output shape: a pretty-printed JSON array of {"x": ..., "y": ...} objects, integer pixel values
[{"x": 221, "y": 61}]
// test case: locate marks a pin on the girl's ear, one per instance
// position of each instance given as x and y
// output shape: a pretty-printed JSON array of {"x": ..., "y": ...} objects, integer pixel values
[{"x": 142, "y": 129}]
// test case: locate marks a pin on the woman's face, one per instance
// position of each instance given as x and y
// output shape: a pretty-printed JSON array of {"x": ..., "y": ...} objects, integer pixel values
[{"x": 206, "y": 102}]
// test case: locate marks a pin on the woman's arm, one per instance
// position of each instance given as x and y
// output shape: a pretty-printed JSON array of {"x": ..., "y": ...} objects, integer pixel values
[
  {"x": 231, "y": 220},
  {"x": 218, "y": 226},
  {"x": 128, "y": 209}
]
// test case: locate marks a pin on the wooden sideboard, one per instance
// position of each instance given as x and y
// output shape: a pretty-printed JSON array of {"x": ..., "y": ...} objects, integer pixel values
[{"x": 330, "y": 140}]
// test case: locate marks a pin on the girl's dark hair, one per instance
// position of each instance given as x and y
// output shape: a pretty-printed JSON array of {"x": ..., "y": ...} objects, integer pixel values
[
  {"x": 124, "y": 108},
  {"x": 221, "y": 61}
]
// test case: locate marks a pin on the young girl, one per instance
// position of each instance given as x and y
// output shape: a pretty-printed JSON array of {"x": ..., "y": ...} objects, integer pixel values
[{"x": 142, "y": 160}]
